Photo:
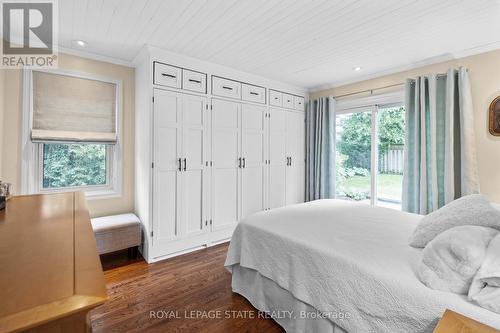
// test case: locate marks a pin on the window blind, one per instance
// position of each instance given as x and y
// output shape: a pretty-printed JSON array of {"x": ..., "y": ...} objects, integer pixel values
[{"x": 74, "y": 109}]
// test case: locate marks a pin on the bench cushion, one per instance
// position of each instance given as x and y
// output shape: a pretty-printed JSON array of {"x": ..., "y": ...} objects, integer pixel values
[{"x": 117, "y": 232}]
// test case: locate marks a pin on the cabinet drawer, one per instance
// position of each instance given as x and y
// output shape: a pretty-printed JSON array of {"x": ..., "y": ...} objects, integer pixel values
[
  {"x": 165, "y": 75},
  {"x": 288, "y": 101},
  {"x": 226, "y": 88},
  {"x": 194, "y": 81},
  {"x": 252, "y": 93},
  {"x": 299, "y": 103},
  {"x": 275, "y": 98}
]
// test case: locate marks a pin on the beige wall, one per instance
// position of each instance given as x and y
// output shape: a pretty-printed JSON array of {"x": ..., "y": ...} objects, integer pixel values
[
  {"x": 10, "y": 159},
  {"x": 484, "y": 70}
]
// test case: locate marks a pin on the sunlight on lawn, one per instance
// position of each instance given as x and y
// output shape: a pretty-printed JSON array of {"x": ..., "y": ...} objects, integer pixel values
[{"x": 389, "y": 185}]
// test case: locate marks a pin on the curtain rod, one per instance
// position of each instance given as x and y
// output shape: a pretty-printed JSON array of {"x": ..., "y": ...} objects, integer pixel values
[
  {"x": 369, "y": 90},
  {"x": 384, "y": 87}
]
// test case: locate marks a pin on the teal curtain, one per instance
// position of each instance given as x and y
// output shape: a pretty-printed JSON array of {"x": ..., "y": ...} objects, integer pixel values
[
  {"x": 320, "y": 149},
  {"x": 440, "y": 157}
]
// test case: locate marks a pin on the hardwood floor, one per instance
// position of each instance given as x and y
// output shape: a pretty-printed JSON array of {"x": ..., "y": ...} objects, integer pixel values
[{"x": 179, "y": 286}]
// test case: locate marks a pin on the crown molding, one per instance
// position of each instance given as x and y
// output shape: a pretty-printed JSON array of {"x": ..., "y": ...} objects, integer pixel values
[
  {"x": 95, "y": 56},
  {"x": 418, "y": 64}
]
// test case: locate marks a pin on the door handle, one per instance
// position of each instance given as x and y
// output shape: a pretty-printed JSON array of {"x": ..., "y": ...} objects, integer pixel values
[
  {"x": 185, "y": 164},
  {"x": 180, "y": 164},
  {"x": 244, "y": 163},
  {"x": 239, "y": 162}
]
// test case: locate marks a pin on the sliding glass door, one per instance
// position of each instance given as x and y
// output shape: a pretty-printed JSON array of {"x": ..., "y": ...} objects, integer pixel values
[
  {"x": 369, "y": 155},
  {"x": 390, "y": 145},
  {"x": 353, "y": 156}
]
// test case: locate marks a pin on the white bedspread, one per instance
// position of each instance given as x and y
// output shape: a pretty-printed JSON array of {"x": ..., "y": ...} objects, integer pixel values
[{"x": 342, "y": 257}]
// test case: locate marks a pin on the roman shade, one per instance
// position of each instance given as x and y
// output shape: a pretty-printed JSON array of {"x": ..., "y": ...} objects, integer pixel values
[{"x": 73, "y": 109}]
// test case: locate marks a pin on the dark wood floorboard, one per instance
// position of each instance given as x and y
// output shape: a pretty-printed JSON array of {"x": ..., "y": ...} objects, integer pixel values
[{"x": 193, "y": 282}]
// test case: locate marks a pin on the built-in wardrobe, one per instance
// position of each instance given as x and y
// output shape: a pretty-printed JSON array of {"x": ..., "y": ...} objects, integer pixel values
[{"x": 213, "y": 145}]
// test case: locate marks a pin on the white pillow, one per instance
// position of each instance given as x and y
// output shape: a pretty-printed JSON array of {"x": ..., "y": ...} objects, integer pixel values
[
  {"x": 451, "y": 260},
  {"x": 497, "y": 206},
  {"x": 472, "y": 209}
]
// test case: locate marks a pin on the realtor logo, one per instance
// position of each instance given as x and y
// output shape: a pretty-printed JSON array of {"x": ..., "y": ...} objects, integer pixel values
[{"x": 29, "y": 34}]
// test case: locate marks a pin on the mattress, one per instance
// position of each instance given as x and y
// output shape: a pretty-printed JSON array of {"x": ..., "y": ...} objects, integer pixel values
[{"x": 344, "y": 257}]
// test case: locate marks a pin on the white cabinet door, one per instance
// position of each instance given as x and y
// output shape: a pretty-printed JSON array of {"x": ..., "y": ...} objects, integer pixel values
[
  {"x": 277, "y": 158},
  {"x": 295, "y": 171},
  {"x": 166, "y": 176},
  {"x": 193, "y": 164},
  {"x": 252, "y": 153},
  {"x": 225, "y": 154}
]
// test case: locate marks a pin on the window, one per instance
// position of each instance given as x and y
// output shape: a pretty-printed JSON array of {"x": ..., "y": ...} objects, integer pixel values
[
  {"x": 73, "y": 165},
  {"x": 70, "y": 129},
  {"x": 369, "y": 150}
]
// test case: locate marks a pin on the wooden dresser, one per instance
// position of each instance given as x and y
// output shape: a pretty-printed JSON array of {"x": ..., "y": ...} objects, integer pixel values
[{"x": 50, "y": 272}]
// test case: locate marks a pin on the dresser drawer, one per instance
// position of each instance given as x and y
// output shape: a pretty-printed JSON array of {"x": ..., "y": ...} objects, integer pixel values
[
  {"x": 288, "y": 101},
  {"x": 226, "y": 88},
  {"x": 165, "y": 75},
  {"x": 194, "y": 81},
  {"x": 275, "y": 98},
  {"x": 252, "y": 93},
  {"x": 299, "y": 103}
]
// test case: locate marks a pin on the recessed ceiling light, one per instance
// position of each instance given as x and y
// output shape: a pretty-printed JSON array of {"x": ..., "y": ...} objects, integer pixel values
[
  {"x": 80, "y": 42},
  {"x": 357, "y": 69}
]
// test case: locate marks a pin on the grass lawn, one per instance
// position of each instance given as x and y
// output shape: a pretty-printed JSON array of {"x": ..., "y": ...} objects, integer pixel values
[{"x": 389, "y": 186}]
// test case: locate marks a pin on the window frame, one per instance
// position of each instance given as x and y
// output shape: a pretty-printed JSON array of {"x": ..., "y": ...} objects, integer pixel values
[
  {"x": 371, "y": 103},
  {"x": 32, "y": 152}
]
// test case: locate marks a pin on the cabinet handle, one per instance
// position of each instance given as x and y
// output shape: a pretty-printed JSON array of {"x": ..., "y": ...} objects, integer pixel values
[
  {"x": 290, "y": 160},
  {"x": 180, "y": 164},
  {"x": 195, "y": 81},
  {"x": 185, "y": 164},
  {"x": 254, "y": 93},
  {"x": 239, "y": 162},
  {"x": 168, "y": 75},
  {"x": 228, "y": 88},
  {"x": 244, "y": 163}
]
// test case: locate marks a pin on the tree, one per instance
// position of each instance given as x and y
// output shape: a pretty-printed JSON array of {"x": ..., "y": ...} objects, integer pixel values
[
  {"x": 66, "y": 165},
  {"x": 355, "y": 135},
  {"x": 391, "y": 128}
]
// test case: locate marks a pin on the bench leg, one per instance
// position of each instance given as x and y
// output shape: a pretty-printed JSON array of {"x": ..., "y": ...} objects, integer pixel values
[{"x": 133, "y": 252}]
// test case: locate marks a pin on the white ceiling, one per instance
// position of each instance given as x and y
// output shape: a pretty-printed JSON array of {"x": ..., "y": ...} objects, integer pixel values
[{"x": 309, "y": 43}]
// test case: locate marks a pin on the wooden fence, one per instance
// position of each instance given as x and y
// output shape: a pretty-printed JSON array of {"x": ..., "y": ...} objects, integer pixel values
[{"x": 392, "y": 161}]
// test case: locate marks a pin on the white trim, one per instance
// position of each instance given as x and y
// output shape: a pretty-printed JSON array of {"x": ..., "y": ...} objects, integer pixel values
[
  {"x": 457, "y": 55},
  {"x": 348, "y": 104},
  {"x": 95, "y": 56},
  {"x": 31, "y": 160},
  {"x": 371, "y": 104},
  {"x": 374, "y": 157}
]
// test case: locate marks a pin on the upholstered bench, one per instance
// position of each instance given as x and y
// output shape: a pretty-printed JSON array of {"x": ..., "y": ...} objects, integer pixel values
[{"x": 117, "y": 232}]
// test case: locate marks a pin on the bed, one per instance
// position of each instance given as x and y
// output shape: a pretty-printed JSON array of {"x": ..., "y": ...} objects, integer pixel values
[{"x": 338, "y": 266}]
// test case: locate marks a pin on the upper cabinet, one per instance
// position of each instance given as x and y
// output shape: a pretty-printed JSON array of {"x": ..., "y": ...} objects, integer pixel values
[
  {"x": 226, "y": 88},
  {"x": 179, "y": 78},
  {"x": 251, "y": 93},
  {"x": 287, "y": 101},
  {"x": 195, "y": 81},
  {"x": 166, "y": 75}
]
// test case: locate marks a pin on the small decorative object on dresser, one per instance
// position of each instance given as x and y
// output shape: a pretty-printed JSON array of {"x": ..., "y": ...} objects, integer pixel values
[
  {"x": 495, "y": 117},
  {"x": 452, "y": 322},
  {"x": 4, "y": 194}
]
